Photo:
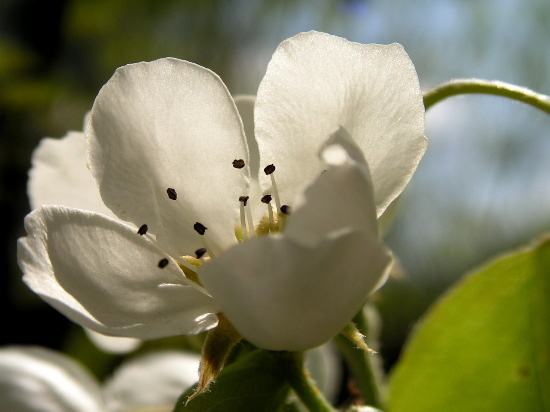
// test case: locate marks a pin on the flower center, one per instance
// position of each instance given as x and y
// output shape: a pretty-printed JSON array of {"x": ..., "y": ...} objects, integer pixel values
[{"x": 272, "y": 222}]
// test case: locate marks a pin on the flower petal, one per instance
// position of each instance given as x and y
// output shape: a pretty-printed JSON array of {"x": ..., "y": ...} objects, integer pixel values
[
  {"x": 341, "y": 198},
  {"x": 169, "y": 124},
  {"x": 152, "y": 381},
  {"x": 113, "y": 344},
  {"x": 34, "y": 379},
  {"x": 59, "y": 175},
  {"x": 317, "y": 82},
  {"x": 281, "y": 295},
  {"x": 101, "y": 274},
  {"x": 245, "y": 105}
]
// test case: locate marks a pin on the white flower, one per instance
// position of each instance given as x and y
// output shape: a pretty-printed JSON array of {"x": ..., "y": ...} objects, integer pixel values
[
  {"x": 35, "y": 379},
  {"x": 162, "y": 139},
  {"x": 59, "y": 176}
]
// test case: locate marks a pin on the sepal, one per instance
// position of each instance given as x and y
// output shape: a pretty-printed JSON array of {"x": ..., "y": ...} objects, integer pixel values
[
  {"x": 217, "y": 346},
  {"x": 351, "y": 333}
]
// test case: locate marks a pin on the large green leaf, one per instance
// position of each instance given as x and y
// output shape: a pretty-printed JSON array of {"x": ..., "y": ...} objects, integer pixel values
[
  {"x": 486, "y": 345},
  {"x": 253, "y": 383}
]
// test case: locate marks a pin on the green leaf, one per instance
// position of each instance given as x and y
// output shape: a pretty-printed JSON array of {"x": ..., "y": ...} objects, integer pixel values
[
  {"x": 253, "y": 383},
  {"x": 486, "y": 345}
]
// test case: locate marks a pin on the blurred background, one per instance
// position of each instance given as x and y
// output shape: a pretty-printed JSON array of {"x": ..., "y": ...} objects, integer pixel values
[{"x": 481, "y": 189}]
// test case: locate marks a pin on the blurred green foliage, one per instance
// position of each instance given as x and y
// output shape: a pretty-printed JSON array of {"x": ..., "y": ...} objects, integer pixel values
[
  {"x": 485, "y": 346},
  {"x": 255, "y": 384}
]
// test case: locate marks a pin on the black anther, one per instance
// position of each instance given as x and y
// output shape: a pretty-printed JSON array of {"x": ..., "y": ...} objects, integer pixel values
[
  {"x": 243, "y": 199},
  {"x": 269, "y": 169},
  {"x": 287, "y": 210},
  {"x": 200, "y": 252},
  {"x": 266, "y": 199},
  {"x": 238, "y": 163},
  {"x": 172, "y": 193},
  {"x": 163, "y": 263},
  {"x": 200, "y": 228},
  {"x": 142, "y": 230}
]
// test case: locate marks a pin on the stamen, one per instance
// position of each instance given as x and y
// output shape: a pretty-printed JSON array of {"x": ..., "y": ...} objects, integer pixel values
[
  {"x": 267, "y": 200},
  {"x": 200, "y": 228},
  {"x": 275, "y": 191},
  {"x": 286, "y": 210},
  {"x": 243, "y": 200},
  {"x": 200, "y": 252},
  {"x": 251, "y": 232},
  {"x": 268, "y": 170},
  {"x": 163, "y": 263},
  {"x": 207, "y": 247},
  {"x": 238, "y": 163},
  {"x": 142, "y": 230},
  {"x": 172, "y": 193}
]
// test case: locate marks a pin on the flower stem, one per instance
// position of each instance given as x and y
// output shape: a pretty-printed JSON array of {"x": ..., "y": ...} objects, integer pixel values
[
  {"x": 292, "y": 407},
  {"x": 497, "y": 88},
  {"x": 360, "y": 363},
  {"x": 292, "y": 365}
]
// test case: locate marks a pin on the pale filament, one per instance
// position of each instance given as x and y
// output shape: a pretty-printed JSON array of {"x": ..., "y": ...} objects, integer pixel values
[
  {"x": 251, "y": 231},
  {"x": 271, "y": 219},
  {"x": 270, "y": 170},
  {"x": 275, "y": 192},
  {"x": 244, "y": 229},
  {"x": 211, "y": 252}
]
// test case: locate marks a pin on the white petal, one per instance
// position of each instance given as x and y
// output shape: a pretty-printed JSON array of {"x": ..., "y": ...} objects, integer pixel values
[
  {"x": 103, "y": 275},
  {"x": 341, "y": 198},
  {"x": 34, "y": 379},
  {"x": 281, "y": 295},
  {"x": 315, "y": 83},
  {"x": 155, "y": 380},
  {"x": 245, "y": 105},
  {"x": 113, "y": 344},
  {"x": 59, "y": 175},
  {"x": 169, "y": 124}
]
